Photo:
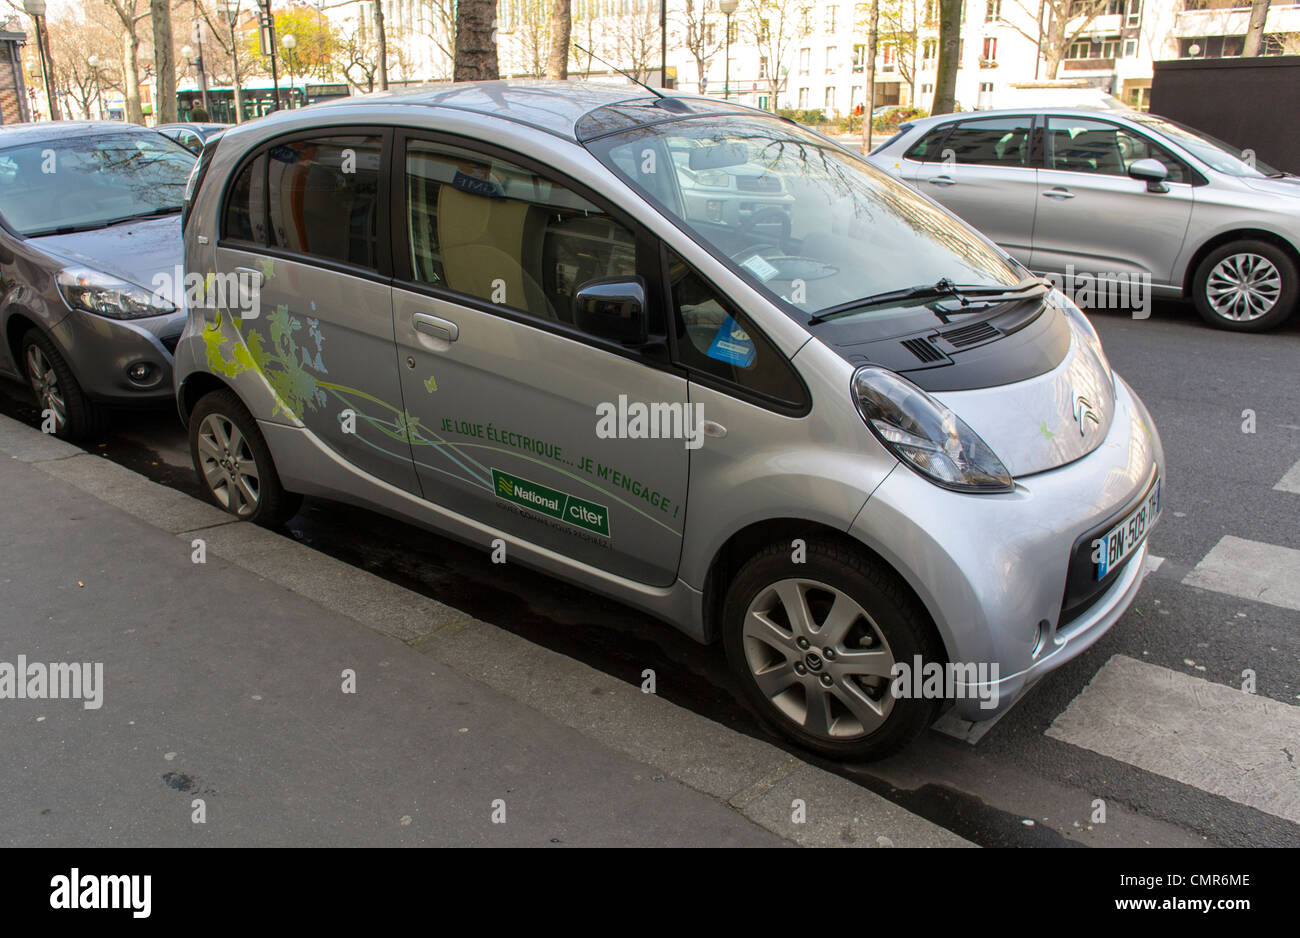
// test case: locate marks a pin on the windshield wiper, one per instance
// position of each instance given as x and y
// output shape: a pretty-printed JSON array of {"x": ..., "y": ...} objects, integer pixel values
[
  {"x": 926, "y": 291},
  {"x": 97, "y": 225},
  {"x": 139, "y": 216}
]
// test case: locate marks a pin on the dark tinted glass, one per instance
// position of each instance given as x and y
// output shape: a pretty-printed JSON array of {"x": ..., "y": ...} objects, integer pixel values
[{"x": 323, "y": 197}]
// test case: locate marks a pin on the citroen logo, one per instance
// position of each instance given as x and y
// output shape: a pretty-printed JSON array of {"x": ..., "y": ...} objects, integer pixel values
[{"x": 1083, "y": 412}]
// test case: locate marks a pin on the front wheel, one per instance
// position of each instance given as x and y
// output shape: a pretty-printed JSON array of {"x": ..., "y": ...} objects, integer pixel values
[
  {"x": 1246, "y": 286},
  {"x": 70, "y": 414},
  {"x": 234, "y": 463},
  {"x": 814, "y": 645}
]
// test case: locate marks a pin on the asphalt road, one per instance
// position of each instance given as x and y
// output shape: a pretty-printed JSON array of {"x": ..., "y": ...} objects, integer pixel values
[{"x": 1015, "y": 784}]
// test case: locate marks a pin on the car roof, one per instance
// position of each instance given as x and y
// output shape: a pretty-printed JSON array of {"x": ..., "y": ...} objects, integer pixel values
[
  {"x": 570, "y": 109},
  {"x": 39, "y": 131},
  {"x": 1122, "y": 113}
]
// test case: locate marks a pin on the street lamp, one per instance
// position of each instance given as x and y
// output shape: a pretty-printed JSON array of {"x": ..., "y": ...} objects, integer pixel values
[
  {"x": 727, "y": 7},
  {"x": 188, "y": 53},
  {"x": 93, "y": 61},
  {"x": 36, "y": 9},
  {"x": 289, "y": 42},
  {"x": 267, "y": 22}
]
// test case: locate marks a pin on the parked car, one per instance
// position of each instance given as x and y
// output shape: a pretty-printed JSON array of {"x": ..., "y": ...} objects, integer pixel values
[
  {"x": 1117, "y": 194},
  {"x": 89, "y": 217},
  {"x": 867, "y": 444},
  {"x": 191, "y": 136}
]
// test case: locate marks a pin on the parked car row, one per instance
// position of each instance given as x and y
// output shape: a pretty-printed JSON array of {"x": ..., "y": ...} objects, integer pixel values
[{"x": 683, "y": 353}]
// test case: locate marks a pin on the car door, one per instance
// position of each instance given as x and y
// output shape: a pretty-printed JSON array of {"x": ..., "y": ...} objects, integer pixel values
[
  {"x": 306, "y": 220},
  {"x": 504, "y": 394},
  {"x": 982, "y": 171},
  {"x": 1093, "y": 218}
]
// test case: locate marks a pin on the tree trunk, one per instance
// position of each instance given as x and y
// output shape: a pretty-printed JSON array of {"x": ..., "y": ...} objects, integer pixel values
[
  {"x": 945, "y": 81},
  {"x": 869, "y": 76},
  {"x": 1054, "y": 48},
  {"x": 476, "y": 41},
  {"x": 557, "y": 66},
  {"x": 164, "y": 66},
  {"x": 381, "y": 35},
  {"x": 1254, "y": 44},
  {"x": 131, "y": 78}
]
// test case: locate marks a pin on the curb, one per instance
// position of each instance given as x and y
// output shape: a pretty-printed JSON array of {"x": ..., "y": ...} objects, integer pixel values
[{"x": 754, "y": 777}]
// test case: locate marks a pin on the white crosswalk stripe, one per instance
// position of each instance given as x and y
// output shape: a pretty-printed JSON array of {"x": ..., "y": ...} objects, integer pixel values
[
  {"x": 1291, "y": 481},
  {"x": 1250, "y": 570},
  {"x": 1216, "y": 738}
]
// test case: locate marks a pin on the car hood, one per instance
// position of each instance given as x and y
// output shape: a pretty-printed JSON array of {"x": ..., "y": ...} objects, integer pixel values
[
  {"x": 1286, "y": 185},
  {"x": 135, "y": 251},
  {"x": 1048, "y": 420}
]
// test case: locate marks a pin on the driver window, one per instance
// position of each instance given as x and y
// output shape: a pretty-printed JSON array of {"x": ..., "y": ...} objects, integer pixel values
[
  {"x": 714, "y": 338},
  {"x": 490, "y": 229}
]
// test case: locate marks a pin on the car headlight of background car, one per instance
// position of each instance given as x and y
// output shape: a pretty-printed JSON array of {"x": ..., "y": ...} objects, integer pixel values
[
  {"x": 927, "y": 435},
  {"x": 106, "y": 295}
]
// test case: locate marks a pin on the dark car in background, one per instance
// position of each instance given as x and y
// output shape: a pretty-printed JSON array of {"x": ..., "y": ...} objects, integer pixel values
[
  {"x": 89, "y": 220},
  {"x": 191, "y": 136}
]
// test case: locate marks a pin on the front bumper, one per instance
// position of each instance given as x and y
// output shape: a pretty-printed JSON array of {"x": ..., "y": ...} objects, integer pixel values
[
  {"x": 101, "y": 350},
  {"x": 992, "y": 570}
]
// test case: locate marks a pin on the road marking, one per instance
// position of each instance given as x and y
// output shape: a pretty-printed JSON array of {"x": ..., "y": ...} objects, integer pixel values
[
  {"x": 1153, "y": 563},
  {"x": 1251, "y": 570},
  {"x": 1291, "y": 481},
  {"x": 1216, "y": 738}
]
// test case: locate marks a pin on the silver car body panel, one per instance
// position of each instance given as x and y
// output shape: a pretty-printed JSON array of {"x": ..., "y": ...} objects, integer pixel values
[{"x": 986, "y": 567}]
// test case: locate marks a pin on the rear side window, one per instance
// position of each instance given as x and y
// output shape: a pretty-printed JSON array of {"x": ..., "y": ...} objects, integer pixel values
[
  {"x": 1001, "y": 141},
  {"x": 323, "y": 198},
  {"x": 929, "y": 148},
  {"x": 714, "y": 338},
  {"x": 245, "y": 219}
]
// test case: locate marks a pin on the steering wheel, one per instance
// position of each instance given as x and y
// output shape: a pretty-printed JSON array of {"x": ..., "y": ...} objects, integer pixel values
[{"x": 764, "y": 219}]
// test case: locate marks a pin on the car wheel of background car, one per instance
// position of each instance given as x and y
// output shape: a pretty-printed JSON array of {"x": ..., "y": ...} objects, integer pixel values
[
  {"x": 56, "y": 390},
  {"x": 234, "y": 463},
  {"x": 813, "y": 644},
  {"x": 1246, "y": 286}
]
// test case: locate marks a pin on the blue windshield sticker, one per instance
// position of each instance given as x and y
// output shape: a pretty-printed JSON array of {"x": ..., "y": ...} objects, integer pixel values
[{"x": 732, "y": 345}]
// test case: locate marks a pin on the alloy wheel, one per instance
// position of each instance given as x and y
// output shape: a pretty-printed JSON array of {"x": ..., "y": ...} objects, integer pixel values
[
  {"x": 45, "y": 384},
  {"x": 1243, "y": 287},
  {"x": 819, "y": 658},
  {"x": 228, "y": 465}
]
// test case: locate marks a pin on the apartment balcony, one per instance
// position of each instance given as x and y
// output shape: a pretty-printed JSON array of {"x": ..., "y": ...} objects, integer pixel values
[
  {"x": 1233, "y": 22},
  {"x": 1089, "y": 65}
]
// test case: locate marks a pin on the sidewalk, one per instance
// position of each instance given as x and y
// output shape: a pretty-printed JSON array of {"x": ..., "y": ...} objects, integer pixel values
[{"x": 222, "y": 681}]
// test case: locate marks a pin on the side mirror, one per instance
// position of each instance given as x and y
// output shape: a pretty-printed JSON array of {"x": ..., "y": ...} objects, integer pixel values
[
  {"x": 613, "y": 310},
  {"x": 1153, "y": 172}
]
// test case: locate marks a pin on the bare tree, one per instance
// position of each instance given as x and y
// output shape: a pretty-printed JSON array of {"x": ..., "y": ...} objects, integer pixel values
[
  {"x": 1254, "y": 44},
  {"x": 74, "y": 38},
  {"x": 699, "y": 35},
  {"x": 1066, "y": 21},
  {"x": 164, "y": 62},
  {"x": 897, "y": 28},
  {"x": 557, "y": 65},
  {"x": 773, "y": 25},
  {"x": 945, "y": 79},
  {"x": 476, "y": 41},
  {"x": 636, "y": 42},
  {"x": 129, "y": 13}
]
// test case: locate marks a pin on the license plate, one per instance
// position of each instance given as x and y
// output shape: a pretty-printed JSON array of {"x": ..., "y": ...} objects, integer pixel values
[{"x": 1109, "y": 551}]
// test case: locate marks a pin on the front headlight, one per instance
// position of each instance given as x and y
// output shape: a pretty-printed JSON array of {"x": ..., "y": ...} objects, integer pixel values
[
  {"x": 105, "y": 295},
  {"x": 925, "y": 435}
]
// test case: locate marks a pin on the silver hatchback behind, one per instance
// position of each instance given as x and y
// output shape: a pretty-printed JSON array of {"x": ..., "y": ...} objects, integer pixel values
[
  {"x": 822, "y": 421},
  {"x": 1117, "y": 197}
]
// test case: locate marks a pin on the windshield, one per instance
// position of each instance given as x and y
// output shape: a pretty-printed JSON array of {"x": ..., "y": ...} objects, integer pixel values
[
  {"x": 1213, "y": 152},
  {"x": 808, "y": 223},
  {"x": 78, "y": 183}
]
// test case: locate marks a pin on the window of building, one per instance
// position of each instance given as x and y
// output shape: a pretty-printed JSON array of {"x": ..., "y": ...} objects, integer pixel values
[
  {"x": 992, "y": 10},
  {"x": 888, "y": 57},
  {"x": 831, "y": 54},
  {"x": 859, "y": 58},
  {"x": 832, "y": 16},
  {"x": 929, "y": 50},
  {"x": 990, "y": 52},
  {"x": 830, "y": 100},
  {"x": 803, "y": 99},
  {"x": 805, "y": 61}
]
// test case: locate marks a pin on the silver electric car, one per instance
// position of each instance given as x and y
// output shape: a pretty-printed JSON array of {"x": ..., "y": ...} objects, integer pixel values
[
  {"x": 90, "y": 256},
  {"x": 1116, "y": 195},
  {"x": 860, "y": 448}
]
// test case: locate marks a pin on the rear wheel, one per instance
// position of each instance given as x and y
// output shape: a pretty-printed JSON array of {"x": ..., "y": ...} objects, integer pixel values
[
  {"x": 1246, "y": 286},
  {"x": 814, "y": 643},
  {"x": 234, "y": 463},
  {"x": 58, "y": 395}
]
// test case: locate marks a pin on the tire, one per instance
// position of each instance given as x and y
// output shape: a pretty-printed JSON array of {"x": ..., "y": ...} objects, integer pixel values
[
  {"x": 76, "y": 417},
  {"x": 1268, "y": 270},
  {"x": 888, "y": 620},
  {"x": 234, "y": 463}
]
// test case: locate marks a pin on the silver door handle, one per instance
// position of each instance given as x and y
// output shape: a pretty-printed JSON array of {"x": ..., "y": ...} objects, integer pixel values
[
  {"x": 941, "y": 181},
  {"x": 1058, "y": 194},
  {"x": 438, "y": 328},
  {"x": 254, "y": 277}
]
